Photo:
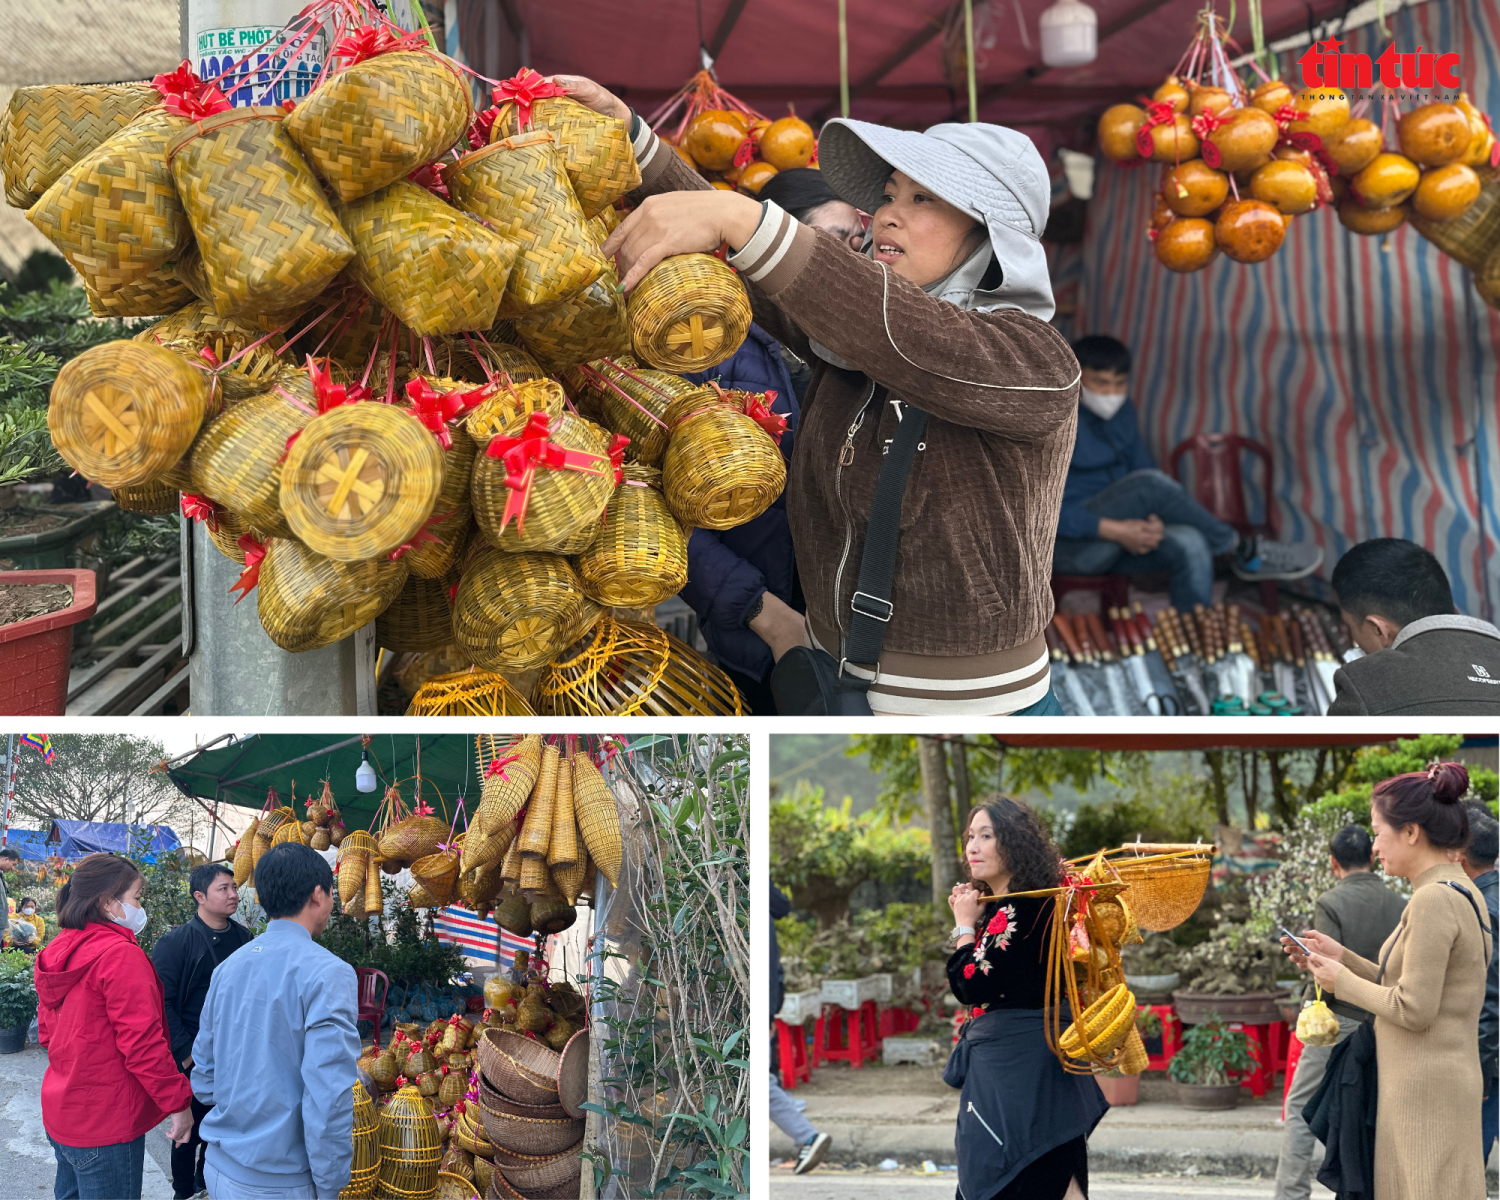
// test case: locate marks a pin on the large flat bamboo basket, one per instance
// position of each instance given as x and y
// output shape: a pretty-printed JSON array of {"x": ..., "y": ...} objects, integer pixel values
[
  {"x": 1475, "y": 235},
  {"x": 1164, "y": 889},
  {"x": 640, "y": 556},
  {"x": 593, "y": 324},
  {"x": 114, "y": 214},
  {"x": 438, "y": 269},
  {"x": 521, "y": 1068},
  {"x": 507, "y": 411},
  {"x": 360, "y": 481},
  {"x": 516, "y": 611},
  {"x": 269, "y": 238},
  {"x": 306, "y": 601},
  {"x": 564, "y": 504},
  {"x": 520, "y": 188},
  {"x": 689, "y": 313},
  {"x": 721, "y": 469},
  {"x": 379, "y": 120},
  {"x": 633, "y": 400},
  {"x": 452, "y": 513},
  {"x": 418, "y": 619},
  {"x": 237, "y": 459},
  {"x": 153, "y": 498},
  {"x": 628, "y": 668},
  {"x": 50, "y": 127},
  {"x": 471, "y": 693},
  {"x": 123, "y": 412},
  {"x": 595, "y": 149}
]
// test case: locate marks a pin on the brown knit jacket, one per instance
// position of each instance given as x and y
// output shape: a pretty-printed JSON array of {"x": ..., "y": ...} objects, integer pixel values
[{"x": 983, "y": 497}]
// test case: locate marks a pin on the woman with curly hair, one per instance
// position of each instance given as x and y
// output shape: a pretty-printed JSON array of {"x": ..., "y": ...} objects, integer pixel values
[{"x": 1023, "y": 1122}]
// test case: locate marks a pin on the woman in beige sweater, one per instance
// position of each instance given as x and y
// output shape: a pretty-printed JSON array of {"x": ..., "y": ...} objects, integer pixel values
[{"x": 1427, "y": 1132}]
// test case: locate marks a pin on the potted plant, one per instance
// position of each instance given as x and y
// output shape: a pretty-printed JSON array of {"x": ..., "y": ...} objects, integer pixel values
[
  {"x": 1232, "y": 975},
  {"x": 38, "y": 610},
  {"x": 1201, "y": 1069},
  {"x": 1125, "y": 1090},
  {"x": 17, "y": 1000}
]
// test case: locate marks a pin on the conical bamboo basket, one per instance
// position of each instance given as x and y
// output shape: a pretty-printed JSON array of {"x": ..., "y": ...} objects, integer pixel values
[
  {"x": 269, "y": 238},
  {"x": 536, "y": 831},
  {"x": 598, "y": 818},
  {"x": 640, "y": 556},
  {"x": 721, "y": 468},
  {"x": 360, "y": 481},
  {"x": 237, "y": 459},
  {"x": 570, "y": 879},
  {"x": 153, "y": 497},
  {"x": 595, "y": 149},
  {"x": 515, "y": 611},
  {"x": 123, "y": 412},
  {"x": 562, "y": 845},
  {"x": 452, "y": 512},
  {"x": 243, "y": 858},
  {"x": 689, "y": 313},
  {"x": 366, "y": 1138},
  {"x": 379, "y": 120},
  {"x": 470, "y": 693},
  {"x": 418, "y": 619},
  {"x": 374, "y": 904},
  {"x": 438, "y": 269},
  {"x": 590, "y": 325},
  {"x": 520, "y": 188},
  {"x": 507, "y": 411},
  {"x": 50, "y": 127},
  {"x": 410, "y": 1147},
  {"x": 632, "y": 400},
  {"x": 351, "y": 873},
  {"x": 506, "y": 791},
  {"x": 306, "y": 600}
]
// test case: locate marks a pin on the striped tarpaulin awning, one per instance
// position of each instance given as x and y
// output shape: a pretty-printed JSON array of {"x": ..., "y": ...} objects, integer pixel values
[{"x": 464, "y": 928}]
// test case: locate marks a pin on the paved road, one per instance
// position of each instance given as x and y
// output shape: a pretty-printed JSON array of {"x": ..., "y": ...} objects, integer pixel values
[{"x": 826, "y": 1185}]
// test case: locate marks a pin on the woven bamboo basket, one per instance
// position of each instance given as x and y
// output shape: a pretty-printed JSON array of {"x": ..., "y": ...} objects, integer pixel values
[
  {"x": 595, "y": 149},
  {"x": 509, "y": 1158},
  {"x": 1475, "y": 235},
  {"x": 437, "y": 873},
  {"x": 507, "y": 789},
  {"x": 438, "y": 269},
  {"x": 721, "y": 468},
  {"x": 1487, "y": 279},
  {"x": 469, "y": 1133},
  {"x": 366, "y": 1138},
  {"x": 237, "y": 459},
  {"x": 598, "y": 818},
  {"x": 114, "y": 213},
  {"x": 520, "y": 188},
  {"x": 493, "y": 1099},
  {"x": 269, "y": 238},
  {"x": 536, "y": 831},
  {"x": 452, "y": 512},
  {"x": 420, "y": 897},
  {"x": 306, "y": 600},
  {"x": 458, "y": 1161},
  {"x": 633, "y": 400},
  {"x": 515, "y": 611},
  {"x": 352, "y": 875},
  {"x": 451, "y": 1186},
  {"x": 195, "y": 327},
  {"x": 271, "y": 823},
  {"x": 289, "y": 831},
  {"x": 351, "y": 328},
  {"x": 50, "y": 127},
  {"x": 563, "y": 503},
  {"x": 152, "y": 497},
  {"x": 412, "y": 838},
  {"x": 562, "y": 1172},
  {"x": 1166, "y": 888},
  {"x": 470, "y": 693},
  {"x": 485, "y": 1174},
  {"x": 590, "y": 325},
  {"x": 243, "y": 864},
  {"x": 473, "y": 360},
  {"x": 123, "y": 412},
  {"x": 639, "y": 558},
  {"x": 1135, "y": 1060},
  {"x": 689, "y": 313},
  {"x": 360, "y": 481},
  {"x": 154, "y": 294},
  {"x": 507, "y": 411},
  {"x": 418, "y": 619},
  {"x": 570, "y": 879},
  {"x": 532, "y": 1135},
  {"x": 379, "y": 120},
  {"x": 500, "y": 1188},
  {"x": 519, "y": 1068},
  {"x": 410, "y": 1147},
  {"x": 562, "y": 845}
]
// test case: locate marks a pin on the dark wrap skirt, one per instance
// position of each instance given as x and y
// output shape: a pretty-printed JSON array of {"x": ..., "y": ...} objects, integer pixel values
[{"x": 1017, "y": 1103}]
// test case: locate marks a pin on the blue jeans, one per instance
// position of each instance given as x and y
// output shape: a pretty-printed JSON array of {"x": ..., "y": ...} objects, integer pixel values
[
  {"x": 787, "y": 1116},
  {"x": 1489, "y": 1117},
  {"x": 1193, "y": 536},
  {"x": 99, "y": 1172}
]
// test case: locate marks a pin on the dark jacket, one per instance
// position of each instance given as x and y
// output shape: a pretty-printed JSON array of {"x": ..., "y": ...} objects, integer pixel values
[
  {"x": 184, "y": 961},
  {"x": 1489, "y": 1016},
  {"x": 1103, "y": 453},
  {"x": 1438, "y": 666},
  {"x": 780, "y": 907},
  {"x": 729, "y": 569},
  {"x": 1359, "y": 913},
  {"x": 1341, "y": 1115}
]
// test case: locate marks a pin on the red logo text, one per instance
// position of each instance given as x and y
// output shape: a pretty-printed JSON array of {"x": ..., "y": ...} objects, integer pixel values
[{"x": 1323, "y": 66}]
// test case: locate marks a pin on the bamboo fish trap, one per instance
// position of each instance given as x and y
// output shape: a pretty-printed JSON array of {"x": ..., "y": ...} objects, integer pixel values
[
  {"x": 515, "y": 611},
  {"x": 721, "y": 469},
  {"x": 418, "y": 619},
  {"x": 438, "y": 269},
  {"x": 470, "y": 693},
  {"x": 520, "y": 188},
  {"x": 124, "y": 412},
  {"x": 507, "y": 785},
  {"x": 360, "y": 481},
  {"x": 595, "y": 149},
  {"x": 598, "y": 818},
  {"x": 640, "y": 557},
  {"x": 410, "y": 1147},
  {"x": 269, "y": 238},
  {"x": 50, "y": 127},
  {"x": 366, "y": 1137},
  {"x": 379, "y": 120},
  {"x": 237, "y": 459},
  {"x": 689, "y": 313},
  {"x": 632, "y": 400},
  {"x": 590, "y": 325},
  {"x": 306, "y": 600}
]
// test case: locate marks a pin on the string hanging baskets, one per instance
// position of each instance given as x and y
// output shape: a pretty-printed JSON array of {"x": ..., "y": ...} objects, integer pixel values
[
  {"x": 595, "y": 149},
  {"x": 306, "y": 600},
  {"x": 418, "y": 619},
  {"x": 633, "y": 400},
  {"x": 471, "y": 693},
  {"x": 689, "y": 313},
  {"x": 237, "y": 459},
  {"x": 515, "y": 611},
  {"x": 721, "y": 468},
  {"x": 598, "y": 819},
  {"x": 592, "y": 324},
  {"x": 50, "y": 127},
  {"x": 639, "y": 557}
]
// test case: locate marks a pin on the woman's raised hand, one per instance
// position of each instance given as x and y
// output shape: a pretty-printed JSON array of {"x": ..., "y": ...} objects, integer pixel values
[
  {"x": 591, "y": 95},
  {"x": 967, "y": 904},
  {"x": 680, "y": 223}
]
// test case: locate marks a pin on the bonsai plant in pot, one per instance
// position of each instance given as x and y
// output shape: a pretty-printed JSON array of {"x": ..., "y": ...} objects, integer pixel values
[
  {"x": 1201, "y": 1069},
  {"x": 1232, "y": 974},
  {"x": 17, "y": 999},
  {"x": 1121, "y": 1089}
]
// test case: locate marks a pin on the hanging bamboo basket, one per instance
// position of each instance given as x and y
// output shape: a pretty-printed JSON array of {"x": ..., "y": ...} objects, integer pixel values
[
  {"x": 154, "y": 498},
  {"x": 476, "y": 359},
  {"x": 515, "y": 611},
  {"x": 418, "y": 619},
  {"x": 721, "y": 469},
  {"x": 689, "y": 313},
  {"x": 471, "y": 693},
  {"x": 640, "y": 556},
  {"x": 246, "y": 351},
  {"x": 598, "y": 819},
  {"x": 360, "y": 481},
  {"x": 306, "y": 600},
  {"x": 438, "y": 269},
  {"x": 452, "y": 513},
  {"x": 1166, "y": 882},
  {"x": 506, "y": 412},
  {"x": 507, "y": 786},
  {"x": 379, "y": 120},
  {"x": 49, "y": 128},
  {"x": 590, "y": 325},
  {"x": 595, "y": 149},
  {"x": 519, "y": 187},
  {"x": 438, "y": 873},
  {"x": 269, "y": 238},
  {"x": 237, "y": 459},
  {"x": 632, "y": 400},
  {"x": 1475, "y": 234},
  {"x": 123, "y": 412}
]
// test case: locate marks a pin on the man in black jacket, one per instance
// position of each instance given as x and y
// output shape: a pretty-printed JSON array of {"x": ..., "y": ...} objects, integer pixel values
[{"x": 185, "y": 960}]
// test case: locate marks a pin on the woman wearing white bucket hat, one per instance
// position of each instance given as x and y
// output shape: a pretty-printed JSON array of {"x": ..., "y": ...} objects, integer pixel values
[{"x": 946, "y": 312}]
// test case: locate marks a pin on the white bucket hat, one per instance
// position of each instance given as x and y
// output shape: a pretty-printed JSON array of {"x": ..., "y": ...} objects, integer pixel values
[{"x": 992, "y": 173}]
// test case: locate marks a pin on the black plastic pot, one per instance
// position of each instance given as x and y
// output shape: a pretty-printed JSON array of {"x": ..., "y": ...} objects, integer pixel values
[{"x": 13, "y": 1041}]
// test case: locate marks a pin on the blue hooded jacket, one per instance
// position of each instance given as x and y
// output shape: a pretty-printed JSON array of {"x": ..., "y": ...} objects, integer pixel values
[
  {"x": 729, "y": 569},
  {"x": 1103, "y": 452}
]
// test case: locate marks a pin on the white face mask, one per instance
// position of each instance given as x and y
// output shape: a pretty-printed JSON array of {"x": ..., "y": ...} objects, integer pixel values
[
  {"x": 134, "y": 919},
  {"x": 1102, "y": 404}
]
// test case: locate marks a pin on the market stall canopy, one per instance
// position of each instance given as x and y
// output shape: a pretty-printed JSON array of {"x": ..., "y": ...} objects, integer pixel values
[
  {"x": 1210, "y": 741},
  {"x": 30, "y": 844},
  {"x": 74, "y": 839}
]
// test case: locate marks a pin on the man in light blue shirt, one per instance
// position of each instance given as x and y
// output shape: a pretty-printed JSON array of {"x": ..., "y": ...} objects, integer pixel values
[{"x": 277, "y": 1045}]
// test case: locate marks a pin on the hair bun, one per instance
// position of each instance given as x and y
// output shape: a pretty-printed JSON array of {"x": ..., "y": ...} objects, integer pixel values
[{"x": 1449, "y": 780}]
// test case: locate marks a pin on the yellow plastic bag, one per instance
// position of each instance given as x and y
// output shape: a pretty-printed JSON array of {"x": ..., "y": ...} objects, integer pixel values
[{"x": 1316, "y": 1024}]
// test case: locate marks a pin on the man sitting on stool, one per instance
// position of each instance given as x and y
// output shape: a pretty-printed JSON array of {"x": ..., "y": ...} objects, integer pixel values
[{"x": 1122, "y": 515}]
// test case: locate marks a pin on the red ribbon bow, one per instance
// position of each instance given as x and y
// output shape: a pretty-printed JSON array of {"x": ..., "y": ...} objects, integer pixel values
[
  {"x": 201, "y": 508},
  {"x": 524, "y": 454},
  {"x": 435, "y": 409},
  {"x": 481, "y": 127},
  {"x": 331, "y": 395},
  {"x": 1286, "y": 114},
  {"x": 745, "y": 154},
  {"x": 430, "y": 176},
  {"x": 758, "y": 409},
  {"x": 525, "y": 88},
  {"x": 497, "y": 766},
  {"x": 424, "y": 534},
  {"x": 255, "y": 553},
  {"x": 422, "y": 810},
  {"x": 376, "y": 39},
  {"x": 1158, "y": 112},
  {"x": 1207, "y": 121},
  {"x": 185, "y": 95}
]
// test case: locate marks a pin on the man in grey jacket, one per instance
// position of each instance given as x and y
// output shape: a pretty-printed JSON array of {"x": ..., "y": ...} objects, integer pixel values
[
  {"x": 1358, "y": 912},
  {"x": 277, "y": 1045}
]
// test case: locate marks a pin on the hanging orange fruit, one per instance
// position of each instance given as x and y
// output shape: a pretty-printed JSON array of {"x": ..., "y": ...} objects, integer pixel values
[
  {"x": 1194, "y": 189},
  {"x": 1370, "y": 221},
  {"x": 1249, "y": 231},
  {"x": 753, "y": 178},
  {"x": 1327, "y": 109},
  {"x": 1480, "y": 137},
  {"x": 1355, "y": 146},
  {"x": 1186, "y": 244},
  {"x": 1175, "y": 141},
  {"x": 1271, "y": 96},
  {"x": 788, "y": 143},
  {"x": 713, "y": 136},
  {"x": 1387, "y": 181},
  {"x": 1244, "y": 142},
  {"x": 1172, "y": 92},
  {"x": 1434, "y": 135},
  {"x": 1206, "y": 98},
  {"x": 1117, "y": 129},
  {"x": 1288, "y": 187},
  {"x": 1446, "y": 192}
]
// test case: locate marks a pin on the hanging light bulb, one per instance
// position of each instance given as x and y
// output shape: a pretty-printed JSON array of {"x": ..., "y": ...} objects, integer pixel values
[
  {"x": 364, "y": 776},
  {"x": 1070, "y": 34}
]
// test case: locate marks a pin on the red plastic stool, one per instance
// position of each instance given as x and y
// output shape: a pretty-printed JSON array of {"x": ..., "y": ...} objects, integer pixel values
[
  {"x": 1171, "y": 1036},
  {"x": 843, "y": 1035},
  {"x": 895, "y": 1021},
  {"x": 1259, "y": 1077},
  {"x": 791, "y": 1054},
  {"x": 1293, "y": 1053}
]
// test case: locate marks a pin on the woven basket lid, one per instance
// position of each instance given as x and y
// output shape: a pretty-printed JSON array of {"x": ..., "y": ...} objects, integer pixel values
[{"x": 573, "y": 1074}]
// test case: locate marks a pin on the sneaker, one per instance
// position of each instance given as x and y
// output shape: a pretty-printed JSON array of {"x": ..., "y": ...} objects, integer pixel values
[
  {"x": 812, "y": 1154},
  {"x": 1277, "y": 560}
]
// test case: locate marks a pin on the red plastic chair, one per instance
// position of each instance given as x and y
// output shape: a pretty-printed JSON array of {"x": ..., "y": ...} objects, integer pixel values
[
  {"x": 1219, "y": 485},
  {"x": 373, "y": 986}
]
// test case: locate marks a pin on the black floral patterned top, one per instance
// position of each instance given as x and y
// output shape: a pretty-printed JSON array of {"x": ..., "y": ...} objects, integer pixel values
[{"x": 1007, "y": 966}]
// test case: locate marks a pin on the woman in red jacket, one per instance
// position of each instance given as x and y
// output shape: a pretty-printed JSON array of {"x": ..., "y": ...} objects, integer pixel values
[{"x": 110, "y": 1075}]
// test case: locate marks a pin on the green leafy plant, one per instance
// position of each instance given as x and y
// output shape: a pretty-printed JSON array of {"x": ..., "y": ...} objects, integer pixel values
[
  {"x": 17, "y": 989},
  {"x": 1147, "y": 1023},
  {"x": 1209, "y": 1053},
  {"x": 164, "y": 896},
  {"x": 397, "y": 945}
]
